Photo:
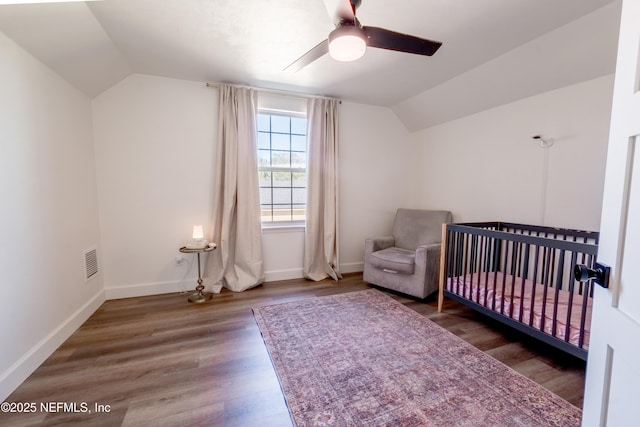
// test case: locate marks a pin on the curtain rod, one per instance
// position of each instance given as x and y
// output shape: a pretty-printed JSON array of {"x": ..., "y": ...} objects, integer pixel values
[{"x": 275, "y": 91}]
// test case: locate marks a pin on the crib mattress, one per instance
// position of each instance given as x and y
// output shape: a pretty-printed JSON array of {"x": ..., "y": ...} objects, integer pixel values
[{"x": 526, "y": 303}]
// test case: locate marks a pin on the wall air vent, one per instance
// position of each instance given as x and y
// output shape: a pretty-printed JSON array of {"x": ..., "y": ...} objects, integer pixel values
[{"x": 90, "y": 263}]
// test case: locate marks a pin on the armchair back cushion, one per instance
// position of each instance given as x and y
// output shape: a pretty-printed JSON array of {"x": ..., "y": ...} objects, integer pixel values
[{"x": 414, "y": 227}]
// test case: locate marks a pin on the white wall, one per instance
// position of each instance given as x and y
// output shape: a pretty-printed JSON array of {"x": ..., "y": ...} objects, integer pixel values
[
  {"x": 155, "y": 147},
  {"x": 487, "y": 167},
  {"x": 374, "y": 177},
  {"x": 49, "y": 213},
  {"x": 283, "y": 252},
  {"x": 155, "y": 151}
]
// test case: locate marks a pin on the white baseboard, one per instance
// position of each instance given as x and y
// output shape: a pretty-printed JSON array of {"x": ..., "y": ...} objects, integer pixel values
[
  {"x": 145, "y": 289},
  {"x": 23, "y": 367},
  {"x": 275, "y": 275},
  {"x": 352, "y": 267},
  {"x": 296, "y": 273}
]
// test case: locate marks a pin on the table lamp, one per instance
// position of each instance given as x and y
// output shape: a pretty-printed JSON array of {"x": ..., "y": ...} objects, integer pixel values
[{"x": 198, "y": 238}]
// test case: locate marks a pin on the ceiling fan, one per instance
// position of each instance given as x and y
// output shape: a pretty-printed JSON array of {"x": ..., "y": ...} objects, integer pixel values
[{"x": 350, "y": 39}]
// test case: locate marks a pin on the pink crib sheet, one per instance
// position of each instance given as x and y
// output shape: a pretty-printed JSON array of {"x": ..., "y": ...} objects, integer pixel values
[{"x": 475, "y": 286}]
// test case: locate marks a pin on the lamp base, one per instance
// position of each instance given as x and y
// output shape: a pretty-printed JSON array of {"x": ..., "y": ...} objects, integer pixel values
[
  {"x": 200, "y": 297},
  {"x": 201, "y": 244}
]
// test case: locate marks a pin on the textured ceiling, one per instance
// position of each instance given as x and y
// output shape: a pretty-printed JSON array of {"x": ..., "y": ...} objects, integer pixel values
[{"x": 94, "y": 45}]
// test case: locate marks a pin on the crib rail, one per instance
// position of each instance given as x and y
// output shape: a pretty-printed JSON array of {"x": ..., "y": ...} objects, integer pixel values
[{"x": 522, "y": 274}]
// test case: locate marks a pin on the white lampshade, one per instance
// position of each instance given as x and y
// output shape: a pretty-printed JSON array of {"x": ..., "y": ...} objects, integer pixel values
[
  {"x": 198, "y": 234},
  {"x": 347, "y": 43}
]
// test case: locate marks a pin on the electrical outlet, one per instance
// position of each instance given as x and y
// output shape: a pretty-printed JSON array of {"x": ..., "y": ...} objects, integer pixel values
[{"x": 179, "y": 260}]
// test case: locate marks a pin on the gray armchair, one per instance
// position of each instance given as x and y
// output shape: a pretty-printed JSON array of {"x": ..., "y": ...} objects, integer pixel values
[{"x": 407, "y": 262}]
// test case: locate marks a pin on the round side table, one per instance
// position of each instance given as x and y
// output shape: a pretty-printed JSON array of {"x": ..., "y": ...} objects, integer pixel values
[{"x": 199, "y": 296}]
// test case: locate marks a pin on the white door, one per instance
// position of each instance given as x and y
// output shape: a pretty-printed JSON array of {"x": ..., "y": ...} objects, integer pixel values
[{"x": 612, "y": 394}]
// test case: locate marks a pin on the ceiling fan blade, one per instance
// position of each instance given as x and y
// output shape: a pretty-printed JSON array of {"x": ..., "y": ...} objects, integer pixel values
[
  {"x": 387, "y": 39},
  {"x": 339, "y": 10},
  {"x": 316, "y": 52}
]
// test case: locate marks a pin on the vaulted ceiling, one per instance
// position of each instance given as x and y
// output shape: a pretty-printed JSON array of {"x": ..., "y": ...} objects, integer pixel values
[{"x": 506, "y": 48}]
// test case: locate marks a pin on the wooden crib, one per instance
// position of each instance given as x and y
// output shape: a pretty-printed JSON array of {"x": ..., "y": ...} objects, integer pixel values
[{"x": 522, "y": 275}]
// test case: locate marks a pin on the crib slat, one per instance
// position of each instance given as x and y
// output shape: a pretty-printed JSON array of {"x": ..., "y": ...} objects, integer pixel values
[
  {"x": 536, "y": 262},
  {"x": 558, "y": 286},
  {"x": 572, "y": 282},
  {"x": 583, "y": 316},
  {"x": 466, "y": 245},
  {"x": 457, "y": 260},
  {"x": 481, "y": 258},
  {"x": 545, "y": 282},
  {"x": 496, "y": 267},
  {"x": 475, "y": 260},
  {"x": 525, "y": 274},
  {"x": 504, "y": 276},
  {"x": 514, "y": 272}
]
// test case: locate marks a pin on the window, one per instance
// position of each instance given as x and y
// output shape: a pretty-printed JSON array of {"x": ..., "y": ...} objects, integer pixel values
[{"x": 282, "y": 166}]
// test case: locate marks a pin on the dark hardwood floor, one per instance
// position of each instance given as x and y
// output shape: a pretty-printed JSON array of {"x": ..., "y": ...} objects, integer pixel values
[{"x": 159, "y": 360}]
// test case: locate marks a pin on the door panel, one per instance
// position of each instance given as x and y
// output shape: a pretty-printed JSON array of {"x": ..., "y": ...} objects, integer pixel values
[
  {"x": 624, "y": 391},
  {"x": 612, "y": 394},
  {"x": 629, "y": 294}
]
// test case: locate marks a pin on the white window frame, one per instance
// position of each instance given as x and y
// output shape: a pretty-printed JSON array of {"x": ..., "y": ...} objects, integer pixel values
[{"x": 292, "y": 224}]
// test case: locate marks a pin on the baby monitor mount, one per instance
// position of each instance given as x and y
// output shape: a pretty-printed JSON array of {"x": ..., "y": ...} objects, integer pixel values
[{"x": 544, "y": 143}]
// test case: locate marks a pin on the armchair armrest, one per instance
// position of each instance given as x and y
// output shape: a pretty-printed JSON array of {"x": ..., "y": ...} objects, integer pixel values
[
  {"x": 427, "y": 264},
  {"x": 377, "y": 244},
  {"x": 423, "y": 252}
]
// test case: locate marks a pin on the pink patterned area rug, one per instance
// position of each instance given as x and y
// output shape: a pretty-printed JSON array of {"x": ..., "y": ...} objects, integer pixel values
[{"x": 363, "y": 359}]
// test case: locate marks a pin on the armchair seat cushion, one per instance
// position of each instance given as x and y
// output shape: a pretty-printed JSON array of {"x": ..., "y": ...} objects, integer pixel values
[{"x": 394, "y": 259}]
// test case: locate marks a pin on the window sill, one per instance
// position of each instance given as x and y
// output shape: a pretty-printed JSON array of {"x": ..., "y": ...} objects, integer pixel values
[{"x": 282, "y": 228}]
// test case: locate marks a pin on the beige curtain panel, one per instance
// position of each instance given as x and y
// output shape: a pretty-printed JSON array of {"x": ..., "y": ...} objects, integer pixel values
[
  {"x": 237, "y": 262},
  {"x": 321, "y": 233}
]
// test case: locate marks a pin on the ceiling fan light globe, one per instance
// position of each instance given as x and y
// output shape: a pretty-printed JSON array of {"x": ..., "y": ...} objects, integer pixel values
[{"x": 347, "y": 44}]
